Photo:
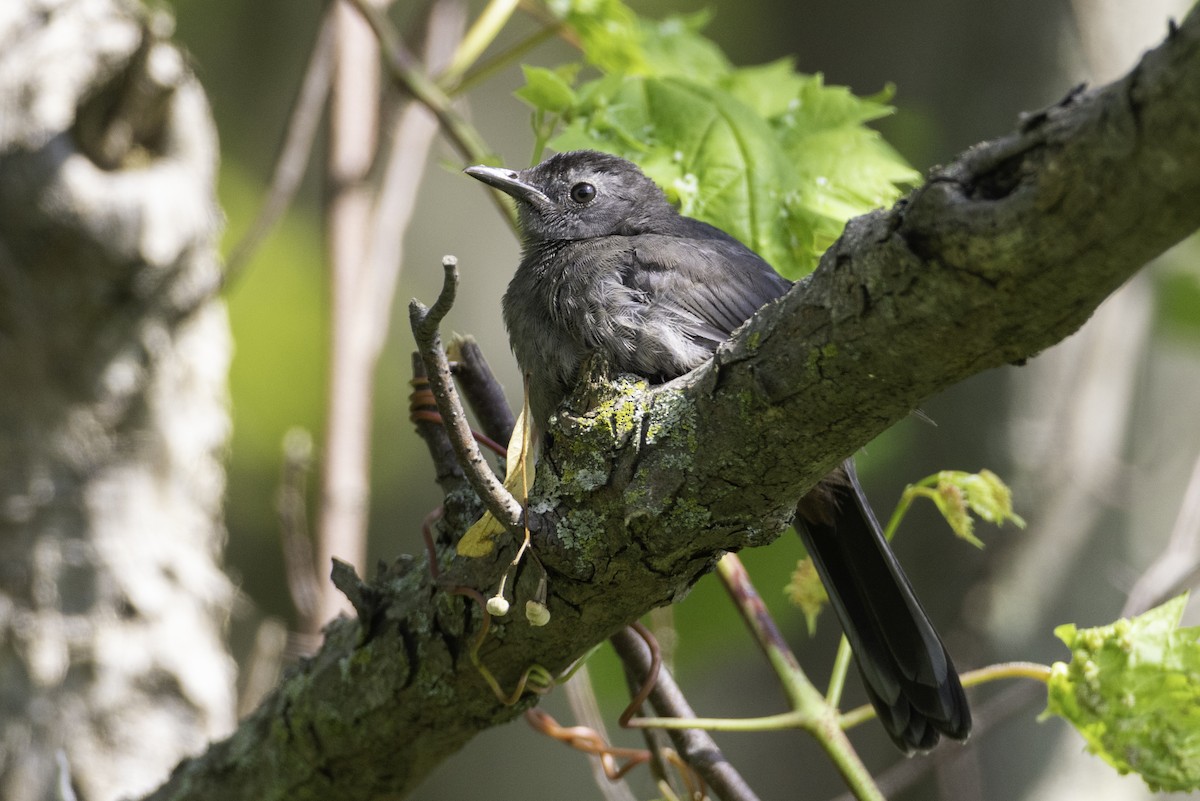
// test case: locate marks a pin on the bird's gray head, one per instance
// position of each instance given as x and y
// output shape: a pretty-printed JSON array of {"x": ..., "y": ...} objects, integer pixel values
[{"x": 580, "y": 195}]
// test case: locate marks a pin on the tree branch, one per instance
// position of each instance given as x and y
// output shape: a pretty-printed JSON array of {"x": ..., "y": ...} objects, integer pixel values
[
  {"x": 482, "y": 391},
  {"x": 1001, "y": 254},
  {"x": 425, "y": 322},
  {"x": 696, "y": 746}
]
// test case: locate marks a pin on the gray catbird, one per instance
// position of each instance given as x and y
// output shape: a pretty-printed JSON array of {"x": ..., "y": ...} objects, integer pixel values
[{"x": 610, "y": 267}]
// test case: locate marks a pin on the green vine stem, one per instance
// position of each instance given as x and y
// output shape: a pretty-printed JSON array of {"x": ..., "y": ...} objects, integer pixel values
[
  {"x": 501, "y": 60},
  {"x": 463, "y": 136},
  {"x": 1003, "y": 670},
  {"x": 810, "y": 711},
  {"x": 485, "y": 30}
]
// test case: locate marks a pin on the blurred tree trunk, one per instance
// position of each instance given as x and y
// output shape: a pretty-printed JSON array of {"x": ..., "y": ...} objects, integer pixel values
[{"x": 112, "y": 405}]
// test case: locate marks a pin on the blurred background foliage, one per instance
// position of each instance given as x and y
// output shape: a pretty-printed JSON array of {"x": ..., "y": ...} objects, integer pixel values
[{"x": 963, "y": 73}]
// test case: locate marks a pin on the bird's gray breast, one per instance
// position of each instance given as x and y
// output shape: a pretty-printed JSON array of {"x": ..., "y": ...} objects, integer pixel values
[
  {"x": 548, "y": 309},
  {"x": 569, "y": 300}
]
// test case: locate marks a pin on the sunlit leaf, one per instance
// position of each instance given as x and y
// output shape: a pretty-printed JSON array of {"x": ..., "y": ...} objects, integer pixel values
[
  {"x": 608, "y": 33},
  {"x": 713, "y": 155},
  {"x": 546, "y": 89},
  {"x": 1132, "y": 690},
  {"x": 774, "y": 157},
  {"x": 806, "y": 591},
  {"x": 957, "y": 494},
  {"x": 674, "y": 46},
  {"x": 480, "y": 539}
]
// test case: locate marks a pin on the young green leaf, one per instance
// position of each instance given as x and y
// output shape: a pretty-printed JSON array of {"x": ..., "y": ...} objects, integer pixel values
[
  {"x": 608, "y": 33},
  {"x": 675, "y": 46},
  {"x": 547, "y": 90},
  {"x": 957, "y": 494},
  {"x": 1132, "y": 690},
  {"x": 772, "y": 156},
  {"x": 806, "y": 591}
]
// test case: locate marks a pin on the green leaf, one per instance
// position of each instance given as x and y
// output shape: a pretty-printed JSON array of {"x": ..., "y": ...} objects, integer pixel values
[
  {"x": 1132, "y": 690},
  {"x": 548, "y": 90},
  {"x": 773, "y": 157},
  {"x": 806, "y": 591},
  {"x": 989, "y": 497},
  {"x": 714, "y": 156},
  {"x": 770, "y": 89},
  {"x": 608, "y": 31},
  {"x": 674, "y": 46},
  {"x": 617, "y": 41},
  {"x": 843, "y": 169}
]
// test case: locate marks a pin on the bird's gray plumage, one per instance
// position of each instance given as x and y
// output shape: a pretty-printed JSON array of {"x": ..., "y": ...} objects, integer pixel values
[
  {"x": 624, "y": 275},
  {"x": 610, "y": 267}
]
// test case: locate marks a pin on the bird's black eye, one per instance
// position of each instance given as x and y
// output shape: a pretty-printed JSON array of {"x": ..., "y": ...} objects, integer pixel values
[{"x": 583, "y": 193}]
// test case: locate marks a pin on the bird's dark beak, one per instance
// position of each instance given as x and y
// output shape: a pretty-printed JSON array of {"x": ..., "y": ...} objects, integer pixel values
[{"x": 509, "y": 182}]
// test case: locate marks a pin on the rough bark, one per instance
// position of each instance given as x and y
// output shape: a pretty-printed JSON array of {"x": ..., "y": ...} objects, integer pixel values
[
  {"x": 112, "y": 406},
  {"x": 1001, "y": 254}
]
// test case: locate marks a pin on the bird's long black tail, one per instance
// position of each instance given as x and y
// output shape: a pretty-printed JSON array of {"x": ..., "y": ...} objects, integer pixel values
[{"x": 907, "y": 672}]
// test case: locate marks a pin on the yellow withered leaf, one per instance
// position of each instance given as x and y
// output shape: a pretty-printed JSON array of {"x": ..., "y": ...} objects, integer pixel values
[{"x": 520, "y": 461}]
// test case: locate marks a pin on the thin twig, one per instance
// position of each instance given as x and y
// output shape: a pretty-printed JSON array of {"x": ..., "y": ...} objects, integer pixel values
[
  {"x": 366, "y": 237},
  {"x": 972, "y": 678},
  {"x": 736, "y": 582},
  {"x": 588, "y": 741},
  {"x": 483, "y": 392},
  {"x": 1176, "y": 567},
  {"x": 581, "y": 695},
  {"x": 353, "y": 142},
  {"x": 487, "y": 25},
  {"x": 302, "y": 127},
  {"x": 697, "y": 748},
  {"x": 647, "y": 677},
  {"x": 410, "y": 141},
  {"x": 403, "y": 70},
  {"x": 1006, "y": 670},
  {"x": 809, "y": 706},
  {"x": 292, "y": 507},
  {"x": 640, "y": 687},
  {"x": 488, "y": 68},
  {"x": 425, "y": 323},
  {"x": 422, "y": 407},
  {"x": 422, "y": 411}
]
